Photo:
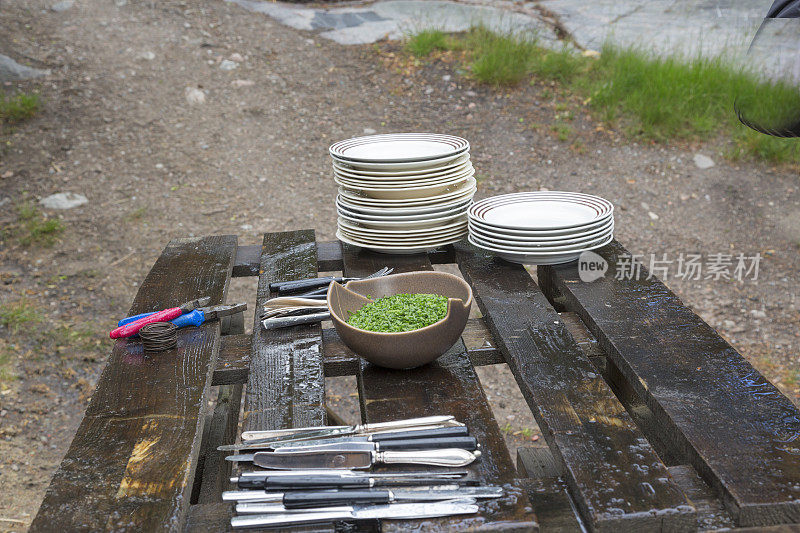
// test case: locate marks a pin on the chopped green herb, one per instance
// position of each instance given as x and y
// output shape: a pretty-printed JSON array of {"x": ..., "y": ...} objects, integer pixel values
[{"x": 400, "y": 312}]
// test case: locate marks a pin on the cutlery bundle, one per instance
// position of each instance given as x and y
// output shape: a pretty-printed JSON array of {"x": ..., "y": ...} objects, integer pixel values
[{"x": 312, "y": 474}]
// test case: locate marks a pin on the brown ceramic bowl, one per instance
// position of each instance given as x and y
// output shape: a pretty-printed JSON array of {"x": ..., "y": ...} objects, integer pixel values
[{"x": 408, "y": 349}]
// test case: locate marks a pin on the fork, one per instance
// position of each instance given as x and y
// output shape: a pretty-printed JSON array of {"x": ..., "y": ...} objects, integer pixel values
[{"x": 286, "y": 287}]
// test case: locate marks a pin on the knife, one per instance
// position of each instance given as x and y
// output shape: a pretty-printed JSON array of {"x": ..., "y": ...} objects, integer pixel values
[
  {"x": 277, "y": 496},
  {"x": 421, "y": 434},
  {"x": 463, "y": 443},
  {"x": 397, "y": 511},
  {"x": 330, "y": 431},
  {"x": 321, "y": 499},
  {"x": 359, "y": 459},
  {"x": 318, "y": 482},
  {"x": 261, "y": 474}
]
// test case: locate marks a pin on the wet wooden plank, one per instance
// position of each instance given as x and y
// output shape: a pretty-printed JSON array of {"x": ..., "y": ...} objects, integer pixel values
[
  {"x": 233, "y": 363},
  {"x": 341, "y": 361},
  {"x": 224, "y": 424},
  {"x": 133, "y": 458},
  {"x": 248, "y": 259},
  {"x": 711, "y": 513},
  {"x": 551, "y": 503},
  {"x": 447, "y": 386},
  {"x": 285, "y": 386},
  {"x": 732, "y": 424},
  {"x": 616, "y": 478},
  {"x": 329, "y": 256}
]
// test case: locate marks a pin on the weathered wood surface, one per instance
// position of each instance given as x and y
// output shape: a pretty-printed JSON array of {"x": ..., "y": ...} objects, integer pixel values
[
  {"x": 285, "y": 386},
  {"x": 732, "y": 424},
  {"x": 233, "y": 363},
  {"x": 248, "y": 259},
  {"x": 132, "y": 462},
  {"x": 616, "y": 478},
  {"x": 711, "y": 513},
  {"x": 547, "y": 491},
  {"x": 447, "y": 386},
  {"x": 222, "y": 430}
]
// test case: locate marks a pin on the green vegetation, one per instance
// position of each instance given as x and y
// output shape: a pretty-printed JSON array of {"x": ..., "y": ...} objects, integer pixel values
[
  {"x": 400, "y": 312},
  {"x": 499, "y": 59},
  {"x": 425, "y": 42},
  {"x": 646, "y": 97},
  {"x": 19, "y": 107},
  {"x": 36, "y": 228},
  {"x": 17, "y": 314}
]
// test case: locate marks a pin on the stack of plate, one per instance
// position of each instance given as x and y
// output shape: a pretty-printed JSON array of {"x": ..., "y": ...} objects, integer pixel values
[
  {"x": 541, "y": 228},
  {"x": 403, "y": 193}
]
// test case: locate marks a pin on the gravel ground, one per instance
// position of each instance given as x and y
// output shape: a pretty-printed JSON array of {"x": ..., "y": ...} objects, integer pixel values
[{"x": 118, "y": 127}]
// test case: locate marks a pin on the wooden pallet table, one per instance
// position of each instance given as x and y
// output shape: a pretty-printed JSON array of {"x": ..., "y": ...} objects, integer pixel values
[{"x": 652, "y": 421}]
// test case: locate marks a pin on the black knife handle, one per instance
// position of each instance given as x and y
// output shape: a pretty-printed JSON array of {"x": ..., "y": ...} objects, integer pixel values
[
  {"x": 456, "y": 431},
  {"x": 314, "y": 482},
  {"x": 465, "y": 443},
  {"x": 307, "y": 500},
  {"x": 305, "y": 284}
]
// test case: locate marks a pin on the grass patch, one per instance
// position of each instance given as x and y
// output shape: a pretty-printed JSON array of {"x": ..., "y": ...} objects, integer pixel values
[
  {"x": 18, "y": 107},
  {"x": 16, "y": 315},
  {"x": 425, "y": 42},
  {"x": 36, "y": 228},
  {"x": 499, "y": 59},
  {"x": 646, "y": 97}
]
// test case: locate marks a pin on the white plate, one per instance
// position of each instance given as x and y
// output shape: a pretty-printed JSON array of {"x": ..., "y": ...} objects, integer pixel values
[
  {"x": 493, "y": 236},
  {"x": 545, "y": 247},
  {"x": 545, "y": 211},
  {"x": 461, "y": 189},
  {"x": 402, "y": 249},
  {"x": 433, "y": 164},
  {"x": 388, "y": 184},
  {"x": 458, "y": 163},
  {"x": 386, "y": 215},
  {"x": 429, "y": 222},
  {"x": 532, "y": 234},
  {"x": 405, "y": 213},
  {"x": 398, "y": 148},
  {"x": 403, "y": 242},
  {"x": 553, "y": 258},
  {"x": 401, "y": 233},
  {"x": 408, "y": 192},
  {"x": 355, "y": 183}
]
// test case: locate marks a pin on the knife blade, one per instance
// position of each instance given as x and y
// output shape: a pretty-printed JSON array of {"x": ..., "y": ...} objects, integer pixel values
[
  {"x": 359, "y": 459},
  {"x": 277, "y": 496},
  {"x": 318, "y": 482},
  {"x": 407, "y": 511},
  {"x": 425, "y": 432},
  {"x": 261, "y": 474},
  {"x": 465, "y": 443},
  {"x": 322, "y": 499},
  {"x": 347, "y": 430}
]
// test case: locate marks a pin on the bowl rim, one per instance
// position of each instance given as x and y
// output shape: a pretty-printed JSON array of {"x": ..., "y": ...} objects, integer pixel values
[{"x": 467, "y": 304}]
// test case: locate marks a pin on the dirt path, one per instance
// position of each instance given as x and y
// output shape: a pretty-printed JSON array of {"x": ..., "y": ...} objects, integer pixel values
[{"x": 117, "y": 128}]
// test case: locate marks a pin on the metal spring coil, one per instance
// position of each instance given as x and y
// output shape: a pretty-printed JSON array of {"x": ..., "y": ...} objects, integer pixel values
[{"x": 159, "y": 336}]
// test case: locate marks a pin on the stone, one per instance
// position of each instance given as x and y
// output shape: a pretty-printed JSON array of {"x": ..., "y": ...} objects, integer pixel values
[
  {"x": 243, "y": 83},
  {"x": 758, "y": 313},
  {"x": 369, "y": 131},
  {"x": 236, "y": 57},
  {"x": 195, "y": 95},
  {"x": 446, "y": 77},
  {"x": 147, "y": 55},
  {"x": 703, "y": 161},
  {"x": 652, "y": 215},
  {"x": 62, "y": 6},
  {"x": 227, "y": 64},
  {"x": 63, "y": 200},
  {"x": 10, "y": 70},
  {"x": 428, "y": 90}
]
